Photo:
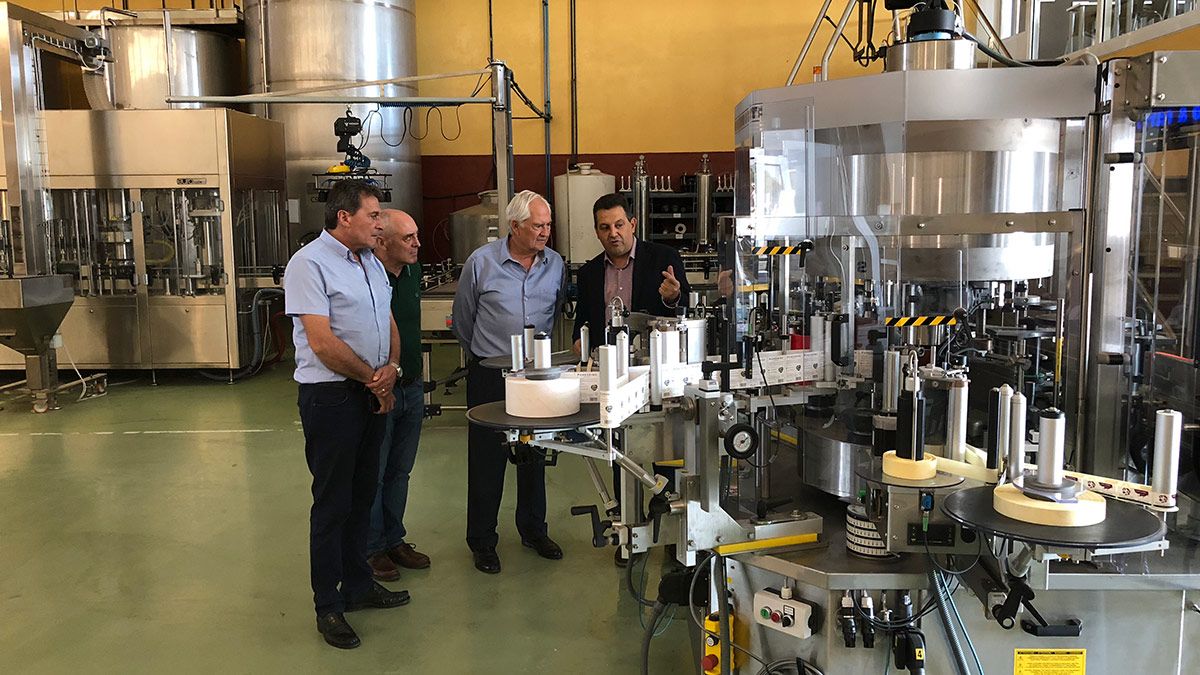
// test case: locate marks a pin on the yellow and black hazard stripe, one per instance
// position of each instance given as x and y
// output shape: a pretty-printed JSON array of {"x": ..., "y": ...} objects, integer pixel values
[
  {"x": 780, "y": 250},
  {"x": 909, "y": 321}
]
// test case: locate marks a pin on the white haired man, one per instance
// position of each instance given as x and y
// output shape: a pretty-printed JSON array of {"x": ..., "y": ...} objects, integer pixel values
[{"x": 505, "y": 285}]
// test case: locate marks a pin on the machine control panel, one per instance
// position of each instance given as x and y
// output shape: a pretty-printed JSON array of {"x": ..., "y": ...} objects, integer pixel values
[{"x": 789, "y": 615}]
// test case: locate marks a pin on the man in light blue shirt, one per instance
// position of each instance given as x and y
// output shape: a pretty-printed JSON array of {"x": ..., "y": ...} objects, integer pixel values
[
  {"x": 347, "y": 351},
  {"x": 505, "y": 285}
]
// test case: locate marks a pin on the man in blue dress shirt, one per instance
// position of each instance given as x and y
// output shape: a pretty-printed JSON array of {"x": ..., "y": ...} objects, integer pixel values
[
  {"x": 347, "y": 351},
  {"x": 505, "y": 285}
]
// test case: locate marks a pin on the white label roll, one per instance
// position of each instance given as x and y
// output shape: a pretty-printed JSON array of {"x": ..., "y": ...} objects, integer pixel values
[{"x": 541, "y": 398}]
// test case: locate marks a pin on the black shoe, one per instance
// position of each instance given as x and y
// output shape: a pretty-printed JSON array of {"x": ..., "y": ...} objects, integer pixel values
[
  {"x": 333, "y": 627},
  {"x": 487, "y": 561},
  {"x": 544, "y": 546},
  {"x": 378, "y": 598}
]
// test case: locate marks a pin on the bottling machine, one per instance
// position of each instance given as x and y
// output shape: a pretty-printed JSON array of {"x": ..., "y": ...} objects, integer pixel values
[{"x": 938, "y": 414}]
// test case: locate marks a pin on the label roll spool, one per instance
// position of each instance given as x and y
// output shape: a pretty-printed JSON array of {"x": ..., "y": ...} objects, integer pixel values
[{"x": 541, "y": 398}]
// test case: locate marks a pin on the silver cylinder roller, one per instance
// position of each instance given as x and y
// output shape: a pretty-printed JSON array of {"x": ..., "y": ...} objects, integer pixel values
[
  {"x": 608, "y": 367},
  {"x": 1002, "y": 424},
  {"x": 1016, "y": 437},
  {"x": 541, "y": 351},
  {"x": 1052, "y": 435},
  {"x": 529, "y": 331},
  {"x": 585, "y": 342},
  {"x": 956, "y": 420},
  {"x": 892, "y": 364},
  {"x": 622, "y": 354},
  {"x": 656, "y": 367},
  {"x": 1168, "y": 428},
  {"x": 517, "y": 345}
]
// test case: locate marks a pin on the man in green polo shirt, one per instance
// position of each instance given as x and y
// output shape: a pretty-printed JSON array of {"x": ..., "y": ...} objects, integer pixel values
[{"x": 386, "y": 547}]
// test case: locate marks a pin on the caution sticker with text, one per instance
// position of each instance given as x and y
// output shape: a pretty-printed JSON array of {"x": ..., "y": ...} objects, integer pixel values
[{"x": 1050, "y": 662}]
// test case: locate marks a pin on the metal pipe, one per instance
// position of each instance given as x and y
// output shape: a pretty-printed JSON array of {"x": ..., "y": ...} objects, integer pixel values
[
  {"x": 1052, "y": 425},
  {"x": 837, "y": 33},
  {"x": 723, "y": 607},
  {"x": 1016, "y": 436},
  {"x": 892, "y": 363},
  {"x": 655, "y": 483},
  {"x": 1168, "y": 429},
  {"x": 167, "y": 47},
  {"x": 585, "y": 342},
  {"x": 812, "y": 35},
  {"x": 546, "y": 91},
  {"x": 598, "y": 483},
  {"x": 262, "y": 50},
  {"x": 407, "y": 102}
]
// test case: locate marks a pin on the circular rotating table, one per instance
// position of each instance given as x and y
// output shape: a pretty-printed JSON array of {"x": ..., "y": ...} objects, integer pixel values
[
  {"x": 1125, "y": 525},
  {"x": 493, "y": 416}
]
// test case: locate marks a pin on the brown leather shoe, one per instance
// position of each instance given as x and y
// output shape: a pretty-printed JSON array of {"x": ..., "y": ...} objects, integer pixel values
[
  {"x": 382, "y": 567},
  {"x": 406, "y": 556}
]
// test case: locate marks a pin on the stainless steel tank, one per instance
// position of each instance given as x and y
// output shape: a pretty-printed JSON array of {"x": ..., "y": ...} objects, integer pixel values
[
  {"x": 474, "y": 226},
  {"x": 292, "y": 44},
  {"x": 202, "y": 63}
]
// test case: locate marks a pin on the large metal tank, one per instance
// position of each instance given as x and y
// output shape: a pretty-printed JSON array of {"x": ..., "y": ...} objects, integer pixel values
[
  {"x": 474, "y": 226},
  {"x": 292, "y": 44},
  {"x": 203, "y": 63}
]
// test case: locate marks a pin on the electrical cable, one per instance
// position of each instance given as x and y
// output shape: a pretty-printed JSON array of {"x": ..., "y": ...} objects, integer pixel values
[
  {"x": 955, "y": 573},
  {"x": 629, "y": 579},
  {"x": 660, "y": 609},
  {"x": 700, "y": 625},
  {"x": 997, "y": 56}
]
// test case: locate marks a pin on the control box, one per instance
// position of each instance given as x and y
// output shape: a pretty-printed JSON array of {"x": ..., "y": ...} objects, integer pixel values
[
  {"x": 915, "y": 524},
  {"x": 778, "y": 610}
]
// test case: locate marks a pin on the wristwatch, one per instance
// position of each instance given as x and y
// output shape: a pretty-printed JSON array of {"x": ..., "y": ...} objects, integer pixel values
[{"x": 399, "y": 370}]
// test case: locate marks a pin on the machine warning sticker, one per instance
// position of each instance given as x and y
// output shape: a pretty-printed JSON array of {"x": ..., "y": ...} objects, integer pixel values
[{"x": 1050, "y": 662}]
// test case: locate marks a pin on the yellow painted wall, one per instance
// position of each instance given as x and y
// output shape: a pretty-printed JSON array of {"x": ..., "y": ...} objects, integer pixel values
[{"x": 653, "y": 75}]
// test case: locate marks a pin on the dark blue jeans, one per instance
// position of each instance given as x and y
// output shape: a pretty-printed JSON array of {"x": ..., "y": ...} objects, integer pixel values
[
  {"x": 397, "y": 453},
  {"x": 341, "y": 444}
]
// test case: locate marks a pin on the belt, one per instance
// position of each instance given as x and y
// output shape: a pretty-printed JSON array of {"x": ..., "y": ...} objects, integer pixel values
[{"x": 340, "y": 384}]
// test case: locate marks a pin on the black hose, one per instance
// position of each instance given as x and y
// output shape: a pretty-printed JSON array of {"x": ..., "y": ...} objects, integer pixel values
[
  {"x": 629, "y": 579},
  {"x": 660, "y": 608},
  {"x": 256, "y": 321},
  {"x": 1012, "y": 63}
]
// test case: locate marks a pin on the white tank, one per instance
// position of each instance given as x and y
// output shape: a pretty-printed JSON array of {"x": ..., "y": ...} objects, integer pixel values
[{"x": 574, "y": 227}]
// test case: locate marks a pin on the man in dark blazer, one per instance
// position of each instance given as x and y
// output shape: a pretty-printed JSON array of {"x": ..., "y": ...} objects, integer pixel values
[{"x": 646, "y": 276}]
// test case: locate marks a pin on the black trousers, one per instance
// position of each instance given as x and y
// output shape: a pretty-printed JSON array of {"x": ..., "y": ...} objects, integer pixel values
[
  {"x": 486, "y": 461},
  {"x": 341, "y": 442}
]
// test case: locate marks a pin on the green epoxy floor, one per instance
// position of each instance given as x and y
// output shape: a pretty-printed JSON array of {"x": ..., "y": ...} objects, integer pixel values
[{"x": 165, "y": 528}]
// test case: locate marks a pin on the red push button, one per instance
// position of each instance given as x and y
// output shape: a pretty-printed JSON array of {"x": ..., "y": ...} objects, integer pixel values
[
  {"x": 710, "y": 662},
  {"x": 776, "y": 617}
]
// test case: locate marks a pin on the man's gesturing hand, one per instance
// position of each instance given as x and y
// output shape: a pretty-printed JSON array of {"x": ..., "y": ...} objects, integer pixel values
[{"x": 669, "y": 288}]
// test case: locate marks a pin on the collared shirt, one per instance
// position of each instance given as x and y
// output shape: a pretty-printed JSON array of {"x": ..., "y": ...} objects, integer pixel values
[
  {"x": 497, "y": 298},
  {"x": 618, "y": 281},
  {"x": 406, "y": 308},
  {"x": 325, "y": 279}
]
